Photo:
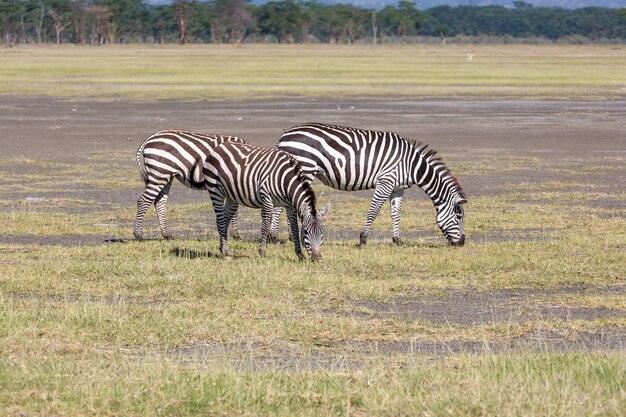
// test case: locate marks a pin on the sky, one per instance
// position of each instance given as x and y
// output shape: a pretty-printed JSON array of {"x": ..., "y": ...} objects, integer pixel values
[{"x": 426, "y": 4}]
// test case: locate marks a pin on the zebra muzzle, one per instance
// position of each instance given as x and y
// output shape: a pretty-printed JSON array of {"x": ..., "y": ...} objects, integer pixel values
[
  {"x": 459, "y": 242},
  {"x": 316, "y": 255}
]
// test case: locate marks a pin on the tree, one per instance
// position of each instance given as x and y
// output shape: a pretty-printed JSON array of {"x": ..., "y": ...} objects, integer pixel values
[
  {"x": 183, "y": 12},
  {"x": 60, "y": 12},
  {"x": 79, "y": 21},
  {"x": 341, "y": 22},
  {"x": 10, "y": 13},
  {"x": 522, "y": 5},
  {"x": 402, "y": 20},
  {"x": 374, "y": 22},
  {"x": 231, "y": 20},
  {"x": 282, "y": 19},
  {"x": 126, "y": 18},
  {"x": 38, "y": 13},
  {"x": 100, "y": 19},
  {"x": 240, "y": 20},
  {"x": 162, "y": 22},
  {"x": 350, "y": 22}
]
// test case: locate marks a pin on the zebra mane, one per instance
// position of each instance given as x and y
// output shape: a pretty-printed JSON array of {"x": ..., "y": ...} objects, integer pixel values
[
  {"x": 430, "y": 155},
  {"x": 309, "y": 194}
]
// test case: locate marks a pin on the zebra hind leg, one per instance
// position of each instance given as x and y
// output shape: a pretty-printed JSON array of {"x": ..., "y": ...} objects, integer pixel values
[
  {"x": 234, "y": 228},
  {"x": 382, "y": 193},
  {"x": 220, "y": 219},
  {"x": 267, "y": 209},
  {"x": 159, "y": 205},
  {"x": 144, "y": 202},
  {"x": 230, "y": 211},
  {"x": 273, "y": 236}
]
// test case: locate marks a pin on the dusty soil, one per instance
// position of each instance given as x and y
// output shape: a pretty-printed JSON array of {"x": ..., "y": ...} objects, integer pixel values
[
  {"x": 536, "y": 142},
  {"x": 561, "y": 128},
  {"x": 554, "y": 132},
  {"x": 582, "y": 138}
]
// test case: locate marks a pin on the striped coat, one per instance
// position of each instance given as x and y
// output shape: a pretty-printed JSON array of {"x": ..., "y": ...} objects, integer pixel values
[
  {"x": 170, "y": 154},
  {"x": 353, "y": 159},
  {"x": 240, "y": 173}
]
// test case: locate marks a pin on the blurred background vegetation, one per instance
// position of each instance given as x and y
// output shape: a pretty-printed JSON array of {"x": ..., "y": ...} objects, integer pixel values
[{"x": 289, "y": 21}]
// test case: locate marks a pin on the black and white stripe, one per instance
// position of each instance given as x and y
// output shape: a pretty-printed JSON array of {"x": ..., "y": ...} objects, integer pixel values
[
  {"x": 239, "y": 173},
  {"x": 352, "y": 159},
  {"x": 167, "y": 155}
]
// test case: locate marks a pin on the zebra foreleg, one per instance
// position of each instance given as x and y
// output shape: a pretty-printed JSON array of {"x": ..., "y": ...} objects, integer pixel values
[
  {"x": 292, "y": 216},
  {"x": 395, "y": 199},
  {"x": 159, "y": 205},
  {"x": 381, "y": 193}
]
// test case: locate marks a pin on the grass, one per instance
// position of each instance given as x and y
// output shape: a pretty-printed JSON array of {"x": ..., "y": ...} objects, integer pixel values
[
  {"x": 201, "y": 72},
  {"x": 526, "y": 385},
  {"x": 170, "y": 328}
]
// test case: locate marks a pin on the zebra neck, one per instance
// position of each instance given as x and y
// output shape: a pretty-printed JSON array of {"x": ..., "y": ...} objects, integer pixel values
[
  {"x": 431, "y": 175},
  {"x": 303, "y": 204},
  {"x": 304, "y": 210}
]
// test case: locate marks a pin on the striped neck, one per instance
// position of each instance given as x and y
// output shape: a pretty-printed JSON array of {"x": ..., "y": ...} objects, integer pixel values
[
  {"x": 304, "y": 201},
  {"x": 433, "y": 176}
]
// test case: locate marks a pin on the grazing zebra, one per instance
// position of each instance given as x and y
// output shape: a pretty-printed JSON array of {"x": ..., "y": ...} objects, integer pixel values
[
  {"x": 239, "y": 173},
  {"x": 352, "y": 159},
  {"x": 167, "y": 155}
]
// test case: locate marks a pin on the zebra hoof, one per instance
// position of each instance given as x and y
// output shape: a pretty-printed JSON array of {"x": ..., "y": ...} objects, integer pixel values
[
  {"x": 274, "y": 240},
  {"x": 362, "y": 240},
  {"x": 138, "y": 236},
  {"x": 235, "y": 236},
  {"x": 397, "y": 241}
]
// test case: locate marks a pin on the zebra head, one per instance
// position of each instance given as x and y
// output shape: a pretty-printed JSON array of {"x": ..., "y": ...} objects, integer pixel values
[
  {"x": 313, "y": 232},
  {"x": 450, "y": 218}
]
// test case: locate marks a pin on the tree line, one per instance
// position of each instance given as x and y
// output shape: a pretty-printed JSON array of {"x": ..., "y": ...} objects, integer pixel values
[{"x": 290, "y": 21}]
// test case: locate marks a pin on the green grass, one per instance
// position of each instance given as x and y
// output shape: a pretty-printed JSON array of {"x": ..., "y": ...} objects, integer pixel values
[
  {"x": 170, "y": 328},
  {"x": 155, "y": 385},
  {"x": 200, "y": 72}
]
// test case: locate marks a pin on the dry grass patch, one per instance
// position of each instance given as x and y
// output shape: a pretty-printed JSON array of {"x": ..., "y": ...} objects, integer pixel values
[{"x": 198, "y": 72}]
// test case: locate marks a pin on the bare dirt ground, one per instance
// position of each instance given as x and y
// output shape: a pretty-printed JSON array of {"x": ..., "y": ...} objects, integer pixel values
[
  {"x": 553, "y": 131},
  {"x": 568, "y": 134},
  {"x": 530, "y": 142}
]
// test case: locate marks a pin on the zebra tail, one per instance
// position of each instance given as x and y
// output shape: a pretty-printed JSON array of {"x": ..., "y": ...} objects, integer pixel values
[{"x": 141, "y": 165}]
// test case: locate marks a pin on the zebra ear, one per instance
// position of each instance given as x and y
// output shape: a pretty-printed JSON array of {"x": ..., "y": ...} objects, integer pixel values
[{"x": 324, "y": 210}]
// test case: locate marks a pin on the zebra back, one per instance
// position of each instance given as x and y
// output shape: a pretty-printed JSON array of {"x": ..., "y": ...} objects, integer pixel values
[
  {"x": 178, "y": 153},
  {"x": 351, "y": 159}
]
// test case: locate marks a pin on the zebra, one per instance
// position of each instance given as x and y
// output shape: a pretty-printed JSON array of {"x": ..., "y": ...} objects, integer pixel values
[
  {"x": 241, "y": 173},
  {"x": 170, "y": 154},
  {"x": 353, "y": 159}
]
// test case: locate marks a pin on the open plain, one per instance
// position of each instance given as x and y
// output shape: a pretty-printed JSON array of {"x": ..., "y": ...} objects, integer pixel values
[{"x": 528, "y": 318}]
